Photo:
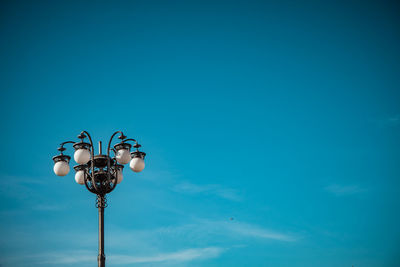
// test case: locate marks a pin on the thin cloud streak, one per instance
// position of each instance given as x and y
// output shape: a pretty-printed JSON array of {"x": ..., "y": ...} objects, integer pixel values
[
  {"x": 204, "y": 229},
  {"x": 236, "y": 229},
  {"x": 45, "y": 207},
  {"x": 19, "y": 187},
  {"x": 179, "y": 256},
  {"x": 259, "y": 232},
  {"x": 86, "y": 256},
  {"x": 392, "y": 121},
  {"x": 343, "y": 190},
  {"x": 153, "y": 245},
  {"x": 211, "y": 189},
  {"x": 52, "y": 258}
]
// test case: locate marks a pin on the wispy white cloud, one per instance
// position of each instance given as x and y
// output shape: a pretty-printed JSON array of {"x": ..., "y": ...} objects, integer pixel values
[
  {"x": 250, "y": 230},
  {"x": 159, "y": 177},
  {"x": 236, "y": 229},
  {"x": 190, "y": 188},
  {"x": 394, "y": 120},
  {"x": 178, "y": 256},
  {"x": 59, "y": 258},
  {"x": 85, "y": 256},
  {"x": 391, "y": 121},
  {"x": 51, "y": 258},
  {"x": 211, "y": 189},
  {"x": 228, "y": 193},
  {"x": 19, "y": 187},
  {"x": 48, "y": 207},
  {"x": 342, "y": 190},
  {"x": 205, "y": 230},
  {"x": 168, "y": 245}
]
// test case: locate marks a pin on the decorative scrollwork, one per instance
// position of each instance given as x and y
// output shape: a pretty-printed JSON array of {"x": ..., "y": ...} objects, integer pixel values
[
  {"x": 101, "y": 201},
  {"x": 99, "y": 173}
]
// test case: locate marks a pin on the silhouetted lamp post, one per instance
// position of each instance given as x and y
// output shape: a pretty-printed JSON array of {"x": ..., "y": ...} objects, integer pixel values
[{"x": 101, "y": 173}]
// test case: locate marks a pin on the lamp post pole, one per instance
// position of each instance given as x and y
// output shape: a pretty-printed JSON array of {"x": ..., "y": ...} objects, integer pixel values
[
  {"x": 101, "y": 173},
  {"x": 101, "y": 204},
  {"x": 101, "y": 258}
]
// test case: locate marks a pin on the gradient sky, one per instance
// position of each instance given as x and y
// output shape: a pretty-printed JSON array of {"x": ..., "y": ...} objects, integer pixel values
[{"x": 283, "y": 115}]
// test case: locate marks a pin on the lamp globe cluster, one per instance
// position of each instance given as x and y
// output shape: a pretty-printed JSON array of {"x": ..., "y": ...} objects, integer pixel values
[{"x": 100, "y": 173}]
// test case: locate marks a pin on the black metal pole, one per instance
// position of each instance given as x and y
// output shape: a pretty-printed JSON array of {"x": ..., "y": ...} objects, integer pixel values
[{"x": 102, "y": 257}]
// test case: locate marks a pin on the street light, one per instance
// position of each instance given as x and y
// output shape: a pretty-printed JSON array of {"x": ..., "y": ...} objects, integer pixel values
[{"x": 101, "y": 173}]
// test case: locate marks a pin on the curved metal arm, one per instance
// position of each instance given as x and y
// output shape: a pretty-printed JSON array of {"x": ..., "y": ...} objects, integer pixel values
[
  {"x": 111, "y": 138},
  {"x": 136, "y": 145},
  {"x": 130, "y": 139},
  {"x": 61, "y": 148},
  {"x": 108, "y": 157},
  {"x": 85, "y": 180},
  {"x": 92, "y": 153},
  {"x": 67, "y": 142},
  {"x": 116, "y": 180}
]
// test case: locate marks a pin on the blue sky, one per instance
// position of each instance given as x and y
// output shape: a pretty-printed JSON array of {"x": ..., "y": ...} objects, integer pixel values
[{"x": 283, "y": 115}]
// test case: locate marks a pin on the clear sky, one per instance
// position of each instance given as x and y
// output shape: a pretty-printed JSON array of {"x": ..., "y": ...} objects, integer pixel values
[{"x": 282, "y": 115}]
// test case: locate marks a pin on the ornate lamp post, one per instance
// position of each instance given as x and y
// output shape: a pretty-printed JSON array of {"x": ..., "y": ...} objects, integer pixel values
[{"x": 101, "y": 173}]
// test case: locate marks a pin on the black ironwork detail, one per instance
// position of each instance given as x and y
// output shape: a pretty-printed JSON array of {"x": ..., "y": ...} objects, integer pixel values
[{"x": 101, "y": 201}]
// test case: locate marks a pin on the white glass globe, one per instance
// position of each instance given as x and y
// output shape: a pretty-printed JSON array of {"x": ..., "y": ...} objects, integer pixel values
[
  {"x": 61, "y": 168},
  {"x": 123, "y": 156},
  {"x": 80, "y": 177},
  {"x": 120, "y": 176},
  {"x": 137, "y": 164},
  {"x": 82, "y": 156}
]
